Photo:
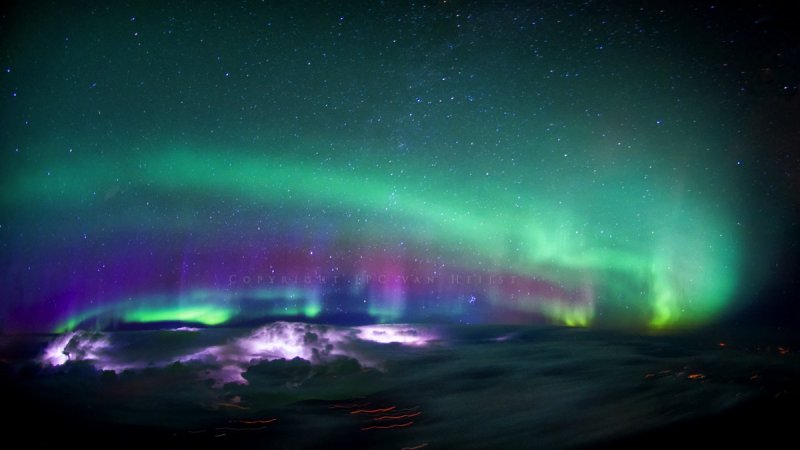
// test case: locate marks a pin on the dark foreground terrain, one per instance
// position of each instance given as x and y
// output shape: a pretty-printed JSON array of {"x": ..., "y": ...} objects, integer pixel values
[{"x": 310, "y": 386}]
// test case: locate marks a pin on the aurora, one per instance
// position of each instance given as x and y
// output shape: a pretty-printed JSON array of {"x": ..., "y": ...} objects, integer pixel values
[
  {"x": 610, "y": 204},
  {"x": 661, "y": 263},
  {"x": 399, "y": 224}
]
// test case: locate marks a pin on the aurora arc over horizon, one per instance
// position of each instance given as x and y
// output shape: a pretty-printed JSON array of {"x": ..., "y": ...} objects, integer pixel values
[
  {"x": 671, "y": 275},
  {"x": 162, "y": 164}
]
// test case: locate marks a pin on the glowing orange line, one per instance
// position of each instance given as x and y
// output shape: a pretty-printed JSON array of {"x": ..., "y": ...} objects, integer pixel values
[
  {"x": 416, "y": 447},
  {"x": 373, "y": 411},
  {"x": 348, "y": 406},
  {"x": 232, "y": 405},
  {"x": 413, "y": 408},
  {"x": 403, "y": 416},
  {"x": 256, "y": 422},
  {"x": 386, "y": 427},
  {"x": 241, "y": 429}
]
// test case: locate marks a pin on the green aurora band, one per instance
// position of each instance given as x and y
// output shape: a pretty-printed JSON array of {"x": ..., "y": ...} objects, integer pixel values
[
  {"x": 659, "y": 259},
  {"x": 149, "y": 152},
  {"x": 201, "y": 306}
]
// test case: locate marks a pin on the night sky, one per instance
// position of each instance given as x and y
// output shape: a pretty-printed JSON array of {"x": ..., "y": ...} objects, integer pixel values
[{"x": 574, "y": 163}]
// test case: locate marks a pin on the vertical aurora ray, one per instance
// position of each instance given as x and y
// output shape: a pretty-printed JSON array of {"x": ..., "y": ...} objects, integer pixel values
[
  {"x": 614, "y": 197},
  {"x": 669, "y": 273}
]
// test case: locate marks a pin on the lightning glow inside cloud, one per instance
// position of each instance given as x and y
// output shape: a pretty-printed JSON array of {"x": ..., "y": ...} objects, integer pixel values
[{"x": 229, "y": 361}]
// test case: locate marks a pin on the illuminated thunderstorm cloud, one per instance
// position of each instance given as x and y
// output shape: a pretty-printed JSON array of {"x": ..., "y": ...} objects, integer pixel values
[
  {"x": 228, "y": 362},
  {"x": 394, "y": 224},
  {"x": 293, "y": 239}
]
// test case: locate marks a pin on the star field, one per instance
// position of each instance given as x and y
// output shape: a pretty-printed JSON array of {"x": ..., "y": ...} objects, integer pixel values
[{"x": 573, "y": 163}]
